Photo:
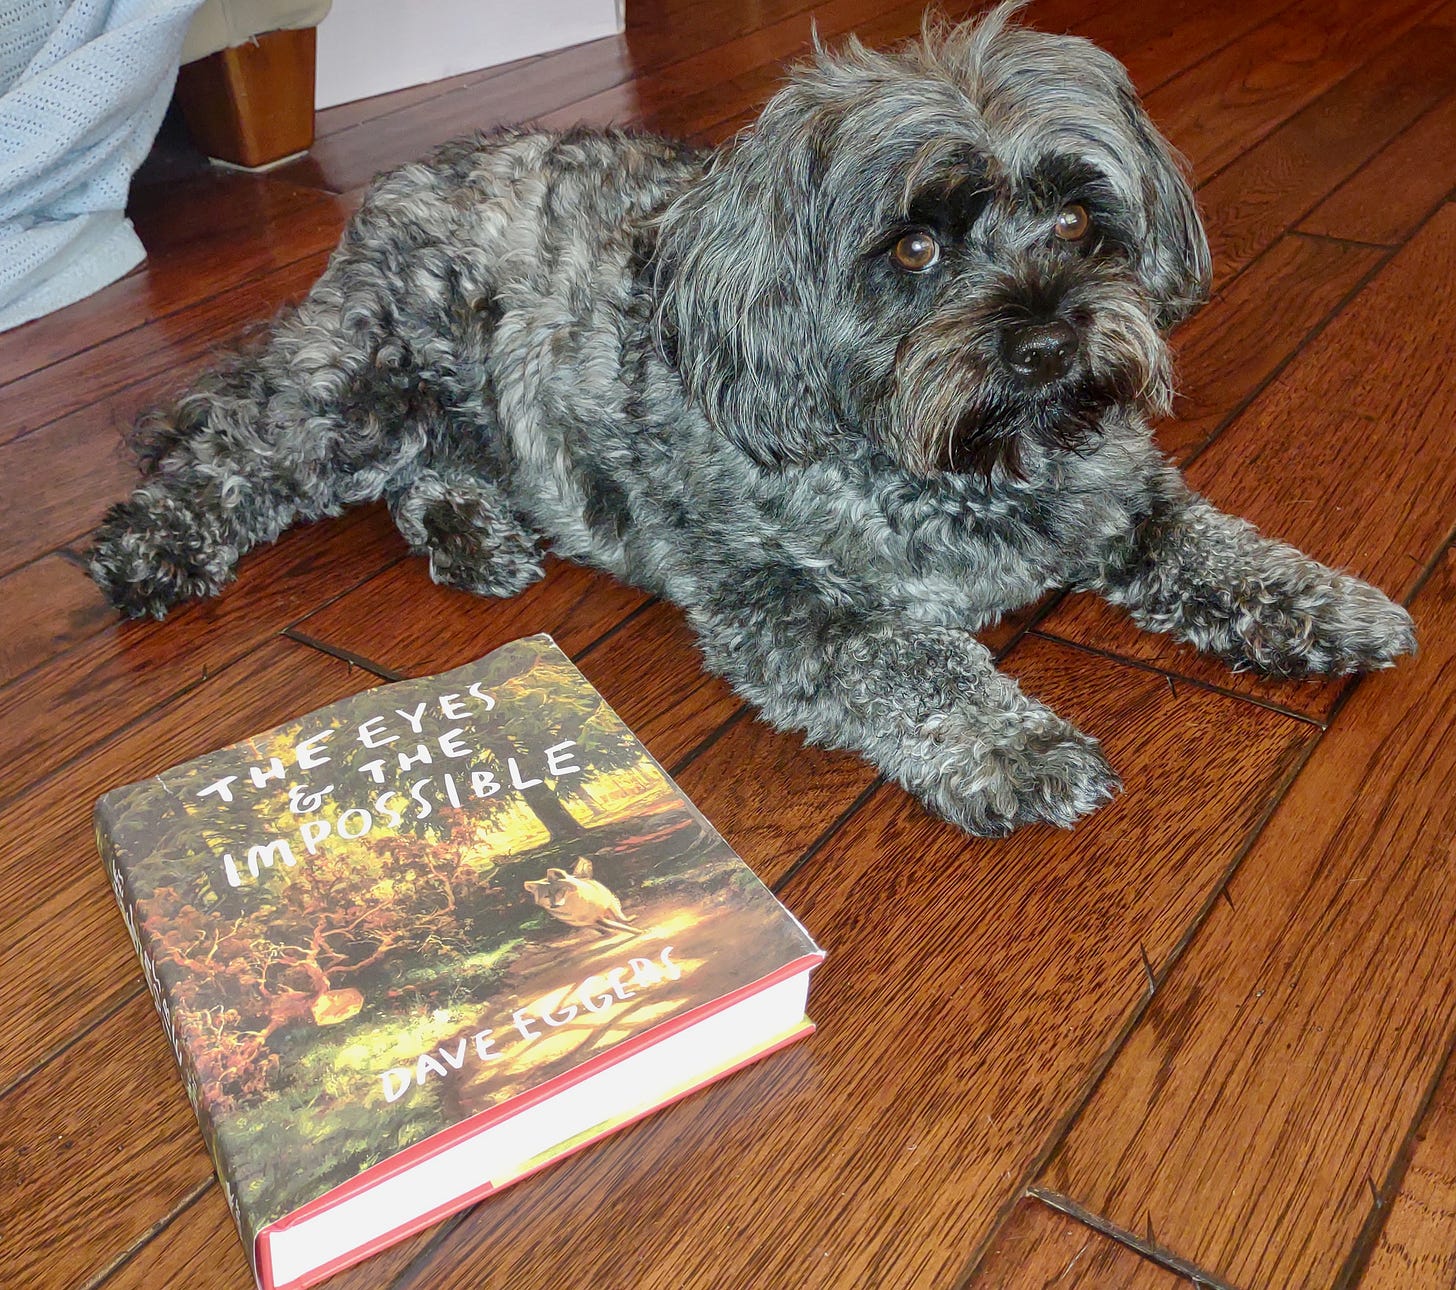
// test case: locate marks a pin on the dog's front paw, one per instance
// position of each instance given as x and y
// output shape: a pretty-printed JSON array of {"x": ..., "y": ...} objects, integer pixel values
[
  {"x": 1347, "y": 626},
  {"x": 1046, "y": 773},
  {"x": 472, "y": 548},
  {"x": 149, "y": 554}
]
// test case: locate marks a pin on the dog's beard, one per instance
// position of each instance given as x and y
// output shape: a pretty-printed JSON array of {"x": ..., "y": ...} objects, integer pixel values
[
  {"x": 992, "y": 430},
  {"x": 953, "y": 404}
]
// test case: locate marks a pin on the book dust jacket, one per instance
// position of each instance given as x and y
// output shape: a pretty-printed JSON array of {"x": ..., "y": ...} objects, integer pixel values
[{"x": 373, "y": 923}]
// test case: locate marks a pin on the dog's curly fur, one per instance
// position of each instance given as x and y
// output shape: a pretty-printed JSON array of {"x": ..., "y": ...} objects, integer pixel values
[{"x": 727, "y": 378}]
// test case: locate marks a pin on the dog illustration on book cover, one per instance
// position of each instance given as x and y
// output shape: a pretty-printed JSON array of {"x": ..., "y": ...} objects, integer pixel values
[
  {"x": 847, "y": 390},
  {"x": 579, "y": 900}
]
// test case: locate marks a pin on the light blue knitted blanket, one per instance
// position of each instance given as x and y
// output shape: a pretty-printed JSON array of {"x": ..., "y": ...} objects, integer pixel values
[{"x": 83, "y": 87}]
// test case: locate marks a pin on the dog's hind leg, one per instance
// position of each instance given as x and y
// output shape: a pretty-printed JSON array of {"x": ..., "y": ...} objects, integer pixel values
[
  {"x": 320, "y": 415},
  {"x": 464, "y": 524}
]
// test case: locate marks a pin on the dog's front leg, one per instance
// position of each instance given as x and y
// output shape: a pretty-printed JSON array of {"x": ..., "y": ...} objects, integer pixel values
[
  {"x": 474, "y": 539},
  {"x": 924, "y": 704},
  {"x": 1212, "y": 580}
]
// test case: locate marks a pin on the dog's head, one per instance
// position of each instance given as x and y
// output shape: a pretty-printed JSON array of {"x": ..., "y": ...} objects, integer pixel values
[{"x": 949, "y": 251}]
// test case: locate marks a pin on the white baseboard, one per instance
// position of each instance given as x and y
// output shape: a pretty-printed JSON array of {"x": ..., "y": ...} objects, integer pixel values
[{"x": 368, "y": 47}]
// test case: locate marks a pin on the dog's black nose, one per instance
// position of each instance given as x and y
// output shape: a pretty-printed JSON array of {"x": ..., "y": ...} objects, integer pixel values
[{"x": 1039, "y": 352}]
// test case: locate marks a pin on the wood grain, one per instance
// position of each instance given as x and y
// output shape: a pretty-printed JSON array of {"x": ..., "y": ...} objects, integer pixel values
[
  {"x": 972, "y": 988},
  {"x": 57, "y": 481},
  {"x": 1230, "y": 101},
  {"x": 1253, "y": 327},
  {"x": 697, "y": 93},
  {"x": 1261, "y": 1101},
  {"x": 1345, "y": 455},
  {"x": 265, "y": 224},
  {"x": 657, "y": 685},
  {"x": 404, "y": 623},
  {"x": 66, "y": 959},
  {"x": 772, "y": 797},
  {"x": 128, "y": 667},
  {"x": 52, "y": 605},
  {"x": 1156, "y": 42},
  {"x": 1417, "y": 1245},
  {"x": 252, "y": 104},
  {"x": 1040, "y": 1248},
  {"x": 701, "y": 94},
  {"x": 198, "y": 1250},
  {"x": 1391, "y": 196},
  {"x": 163, "y": 346},
  {"x": 64, "y": 1165},
  {"x": 56, "y": 484},
  {"x": 1272, "y": 185}
]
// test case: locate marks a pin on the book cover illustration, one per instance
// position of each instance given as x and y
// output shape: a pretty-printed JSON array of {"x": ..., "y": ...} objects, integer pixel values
[{"x": 377, "y": 921}]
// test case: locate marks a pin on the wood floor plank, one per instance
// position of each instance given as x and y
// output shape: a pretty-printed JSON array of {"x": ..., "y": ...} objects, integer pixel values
[
  {"x": 199, "y": 1250},
  {"x": 1390, "y": 197},
  {"x": 50, "y": 606},
  {"x": 700, "y": 95},
  {"x": 1218, "y": 109},
  {"x": 1156, "y": 42},
  {"x": 1345, "y": 455},
  {"x": 1252, "y": 327},
  {"x": 771, "y": 796},
  {"x": 1273, "y": 184},
  {"x": 165, "y": 346},
  {"x": 1417, "y": 1245},
  {"x": 80, "y": 696},
  {"x": 404, "y": 623},
  {"x": 1040, "y": 1248},
  {"x": 971, "y": 990},
  {"x": 264, "y": 224},
  {"x": 1260, "y": 1102},
  {"x": 64, "y": 1165},
  {"x": 58, "y": 480},
  {"x": 66, "y": 957},
  {"x": 654, "y": 681},
  {"x": 56, "y": 484}
]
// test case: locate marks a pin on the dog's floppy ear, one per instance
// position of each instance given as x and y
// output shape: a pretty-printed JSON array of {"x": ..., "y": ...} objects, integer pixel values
[
  {"x": 742, "y": 292},
  {"x": 1174, "y": 262}
]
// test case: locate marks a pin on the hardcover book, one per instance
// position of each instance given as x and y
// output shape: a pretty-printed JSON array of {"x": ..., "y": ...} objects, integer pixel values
[{"x": 424, "y": 941}]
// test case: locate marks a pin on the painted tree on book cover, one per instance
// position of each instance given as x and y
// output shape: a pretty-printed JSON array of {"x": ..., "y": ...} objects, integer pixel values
[{"x": 396, "y": 978}]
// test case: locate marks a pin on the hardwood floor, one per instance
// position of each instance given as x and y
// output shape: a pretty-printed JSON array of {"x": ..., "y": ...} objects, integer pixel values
[{"x": 1204, "y": 1038}]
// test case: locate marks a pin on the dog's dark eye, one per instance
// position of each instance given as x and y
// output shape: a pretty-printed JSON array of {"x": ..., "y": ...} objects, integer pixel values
[
  {"x": 916, "y": 252},
  {"x": 1072, "y": 223}
]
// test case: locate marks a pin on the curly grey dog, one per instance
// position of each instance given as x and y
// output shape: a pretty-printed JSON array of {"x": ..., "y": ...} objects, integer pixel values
[{"x": 846, "y": 390}]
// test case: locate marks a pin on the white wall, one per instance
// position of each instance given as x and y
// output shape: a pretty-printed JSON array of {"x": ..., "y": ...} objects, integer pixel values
[{"x": 373, "y": 46}]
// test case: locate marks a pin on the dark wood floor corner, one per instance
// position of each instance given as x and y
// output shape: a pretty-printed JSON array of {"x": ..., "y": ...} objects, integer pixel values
[{"x": 1205, "y": 1038}]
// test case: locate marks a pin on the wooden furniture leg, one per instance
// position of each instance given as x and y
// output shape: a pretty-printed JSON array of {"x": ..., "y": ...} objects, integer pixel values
[{"x": 252, "y": 105}]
